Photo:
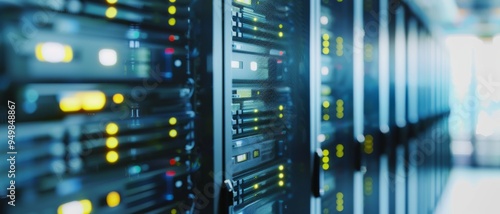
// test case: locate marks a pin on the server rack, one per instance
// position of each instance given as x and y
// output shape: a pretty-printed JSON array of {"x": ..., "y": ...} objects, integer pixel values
[
  {"x": 372, "y": 145},
  {"x": 104, "y": 118},
  {"x": 266, "y": 110},
  {"x": 342, "y": 101}
]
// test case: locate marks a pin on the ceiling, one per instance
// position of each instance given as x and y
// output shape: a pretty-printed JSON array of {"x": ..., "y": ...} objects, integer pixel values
[{"x": 478, "y": 17}]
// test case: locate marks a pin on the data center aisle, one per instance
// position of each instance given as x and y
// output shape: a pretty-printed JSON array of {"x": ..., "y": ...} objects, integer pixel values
[{"x": 471, "y": 190}]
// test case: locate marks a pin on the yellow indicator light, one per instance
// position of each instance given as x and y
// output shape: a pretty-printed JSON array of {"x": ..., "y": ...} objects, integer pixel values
[
  {"x": 112, "y": 128},
  {"x": 111, "y": 12},
  {"x": 326, "y": 37},
  {"x": 255, "y": 111},
  {"x": 172, "y": 133},
  {"x": 112, "y": 156},
  {"x": 340, "y": 0},
  {"x": 255, "y": 19},
  {"x": 281, "y": 167},
  {"x": 68, "y": 54},
  {"x": 113, "y": 199},
  {"x": 326, "y": 166},
  {"x": 340, "y": 150},
  {"x": 326, "y": 117},
  {"x": 112, "y": 1},
  {"x": 173, "y": 211},
  {"x": 340, "y": 195},
  {"x": 325, "y": 90},
  {"x": 172, "y": 121},
  {"x": 171, "y": 21},
  {"x": 281, "y": 175},
  {"x": 111, "y": 142},
  {"x": 326, "y": 104},
  {"x": 70, "y": 104},
  {"x": 340, "y": 53},
  {"x": 92, "y": 101},
  {"x": 280, "y": 34},
  {"x": 340, "y": 154},
  {"x": 118, "y": 98},
  {"x": 368, "y": 186},
  {"x": 326, "y": 159},
  {"x": 83, "y": 206},
  {"x": 256, "y": 186},
  {"x": 326, "y": 44},
  {"x": 172, "y": 10},
  {"x": 281, "y": 107},
  {"x": 38, "y": 52},
  {"x": 340, "y": 208},
  {"x": 254, "y": 28},
  {"x": 281, "y": 183},
  {"x": 87, "y": 206},
  {"x": 53, "y": 52},
  {"x": 325, "y": 51},
  {"x": 368, "y": 145},
  {"x": 255, "y": 128},
  {"x": 256, "y": 153},
  {"x": 172, "y": 1},
  {"x": 256, "y": 119},
  {"x": 280, "y": 26},
  {"x": 340, "y": 115},
  {"x": 326, "y": 152},
  {"x": 340, "y": 102},
  {"x": 281, "y": 115},
  {"x": 339, "y": 39}
]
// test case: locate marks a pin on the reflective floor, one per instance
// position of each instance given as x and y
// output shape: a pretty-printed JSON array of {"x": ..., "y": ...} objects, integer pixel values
[{"x": 470, "y": 191}]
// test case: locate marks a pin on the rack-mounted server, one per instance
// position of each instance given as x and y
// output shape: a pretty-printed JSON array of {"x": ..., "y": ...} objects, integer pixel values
[{"x": 267, "y": 40}]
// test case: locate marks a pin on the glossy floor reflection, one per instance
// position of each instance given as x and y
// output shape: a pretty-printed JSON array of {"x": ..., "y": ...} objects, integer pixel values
[{"x": 471, "y": 190}]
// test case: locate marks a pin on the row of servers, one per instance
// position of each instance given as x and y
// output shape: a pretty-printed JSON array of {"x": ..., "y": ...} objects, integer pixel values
[{"x": 229, "y": 106}]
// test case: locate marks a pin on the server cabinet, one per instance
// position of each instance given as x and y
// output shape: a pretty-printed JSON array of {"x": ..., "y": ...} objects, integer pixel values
[
  {"x": 266, "y": 107},
  {"x": 393, "y": 97},
  {"x": 384, "y": 87},
  {"x": 341, "y": 104},
  {"x": 372, "y": 145},
  {"x": 104, "y": 115}
]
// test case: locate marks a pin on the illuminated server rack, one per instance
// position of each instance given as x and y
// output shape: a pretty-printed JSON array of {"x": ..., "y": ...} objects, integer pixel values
[
  {"x": 341, "y": 104},
  {"x": 427, "y": 150},
  {"x": 103, "y": 90},
  {"x": 372, "y": 145},
  {"x": 432, "y": 141},
  {"x": 266, "y": 133}
]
